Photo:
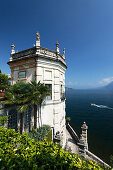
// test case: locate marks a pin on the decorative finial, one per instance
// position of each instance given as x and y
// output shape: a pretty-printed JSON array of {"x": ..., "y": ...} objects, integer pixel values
[
  {"x": 84, "y": 133},
  {"x": 13, "y": 49},
  {"x": 57, "y": 48},
  {"x": 84, "y": 126},
  {"x": 37, "y": 39},
  {"x": 13, "y": 46},
  {"x": 63, "y": 53},
  {"x": 38, "y": 36},
  {"x": 57, "y": 44}
]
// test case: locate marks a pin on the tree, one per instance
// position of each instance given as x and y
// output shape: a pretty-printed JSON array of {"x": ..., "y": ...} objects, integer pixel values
[
  {"x": 4, "y": 81},
  {"x": 22, "y": 95},
  {"x": 35, "y": 100},
  {"x": 18, "y": 95},
  {"x": 0, "y": 71},
  {"x": 43, "y": 92},
  {"x": 3, "y": 120},
  {"x": 39, "y": 93}
]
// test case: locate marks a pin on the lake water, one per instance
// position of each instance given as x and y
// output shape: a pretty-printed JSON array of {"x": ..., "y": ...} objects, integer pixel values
[{"x": 98, "y": 119}]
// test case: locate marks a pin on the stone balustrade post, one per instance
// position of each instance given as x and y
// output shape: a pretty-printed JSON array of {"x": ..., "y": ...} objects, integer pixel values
[
  {"x": 83, "y": 143},
  {"x": 84, "y": 134}
]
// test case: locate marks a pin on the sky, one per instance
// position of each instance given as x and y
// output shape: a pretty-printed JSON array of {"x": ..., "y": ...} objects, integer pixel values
[{"x": 83, "y": 27}]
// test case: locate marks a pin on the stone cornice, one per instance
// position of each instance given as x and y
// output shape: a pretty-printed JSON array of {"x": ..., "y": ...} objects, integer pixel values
[
  {"x": 24, "y": 53},
  {"x": 37, "y": 52}
]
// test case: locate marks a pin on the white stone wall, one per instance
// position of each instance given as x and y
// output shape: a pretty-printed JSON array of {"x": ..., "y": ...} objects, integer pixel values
[
  {"x": 48, "y": 72},
  {"x": 30, "y": 74},
  {"x": 15, "y": 76},
  {"x": 53, "y": 111}
]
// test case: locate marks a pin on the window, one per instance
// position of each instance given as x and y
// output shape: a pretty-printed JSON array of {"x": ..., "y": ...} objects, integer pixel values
[
  {"x": 22, "y": 74},
  {"x": 50, "y": 87}
]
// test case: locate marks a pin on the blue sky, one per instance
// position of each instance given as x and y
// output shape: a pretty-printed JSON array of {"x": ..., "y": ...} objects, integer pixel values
[{"x": 83, "y": 27}]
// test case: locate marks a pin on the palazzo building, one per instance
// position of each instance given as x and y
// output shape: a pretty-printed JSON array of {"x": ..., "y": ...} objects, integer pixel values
[{"x": 48, "y": 67}]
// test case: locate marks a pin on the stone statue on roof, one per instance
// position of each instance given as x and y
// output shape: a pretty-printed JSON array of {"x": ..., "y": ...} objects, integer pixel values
[{"x": 38, "y": 36}]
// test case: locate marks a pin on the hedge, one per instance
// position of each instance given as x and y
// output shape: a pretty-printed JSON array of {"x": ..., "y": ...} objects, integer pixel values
[{"x": 23, "y": 153}]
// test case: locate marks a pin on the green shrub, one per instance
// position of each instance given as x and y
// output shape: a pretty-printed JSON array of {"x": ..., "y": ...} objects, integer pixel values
[
  {"x": 40, "y": 133},
  {"x": 3, "y": 120},
  {"x": 4, "y": 81},
  {"x": 111, "y": 160},
  {"x": 68, "y": 119},
  {"x": 23, "y": 153},
  {"x": 48, "y": 137}
]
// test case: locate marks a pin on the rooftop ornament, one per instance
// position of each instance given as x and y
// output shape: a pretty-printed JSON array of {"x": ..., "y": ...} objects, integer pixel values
[
  {"x": 84, "y": 133},
  {"x": 57, "y": 44},
  {"x": 37, "y": 39},
  {"x": 84, "y": 126},
  {"x": 13, "y": 48},
  {"x": 12, "y": 51},
  {"x": 38, "y": 36},
  {"x": 57, "y": 48}
]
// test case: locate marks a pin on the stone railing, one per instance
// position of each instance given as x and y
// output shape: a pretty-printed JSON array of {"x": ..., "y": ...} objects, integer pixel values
[
  {"x": 60, "y": 58},
  {"x": 47, "y": 52},
  {"x": 51, "y": 54},
  {"x": 20, "y": 54},
  {"x": 41, "y": 51},
  {"x": 72, "y": 132},
  {"x": 95, "y": 158}
]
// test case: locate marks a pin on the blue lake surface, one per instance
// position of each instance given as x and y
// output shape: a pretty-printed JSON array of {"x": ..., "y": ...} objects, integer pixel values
[{"x": 99, "y": 120}]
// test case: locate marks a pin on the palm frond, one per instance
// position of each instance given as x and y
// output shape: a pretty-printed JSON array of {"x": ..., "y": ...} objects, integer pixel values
[{"x": 22, "y": 108}]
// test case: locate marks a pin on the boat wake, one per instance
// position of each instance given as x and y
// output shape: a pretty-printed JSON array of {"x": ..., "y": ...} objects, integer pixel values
[{"x": 101, "y": 106}]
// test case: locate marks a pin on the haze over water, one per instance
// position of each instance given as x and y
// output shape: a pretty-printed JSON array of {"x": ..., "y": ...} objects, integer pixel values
[{"x": 98, "y": 119}]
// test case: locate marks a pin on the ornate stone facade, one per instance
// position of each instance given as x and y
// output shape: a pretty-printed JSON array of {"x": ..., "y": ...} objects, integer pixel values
[{"x": 48, "y": 67}]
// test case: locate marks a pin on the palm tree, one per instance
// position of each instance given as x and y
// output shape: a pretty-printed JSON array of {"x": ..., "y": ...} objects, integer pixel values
[
  {"x": 39, "y": 93},
  {"x": 4, "y": 81},
  {"x": 18, "y": 96},
  {"x": 43, "y": 92},
  {"x": 34, "y": 98},
  {"x": 22, "y": 95}
]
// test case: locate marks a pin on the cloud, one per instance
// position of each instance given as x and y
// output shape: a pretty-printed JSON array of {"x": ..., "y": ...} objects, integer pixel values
[
  {"x": 88, "y": 85},
  {"x": 106, "y": 81}
]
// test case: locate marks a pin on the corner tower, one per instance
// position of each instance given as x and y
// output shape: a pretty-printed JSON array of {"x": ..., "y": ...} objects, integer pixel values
[{"x": 48, "y": 67}]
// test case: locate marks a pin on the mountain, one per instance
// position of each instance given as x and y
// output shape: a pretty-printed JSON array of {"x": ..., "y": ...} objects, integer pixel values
[{"x": 109, "y": 86}]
